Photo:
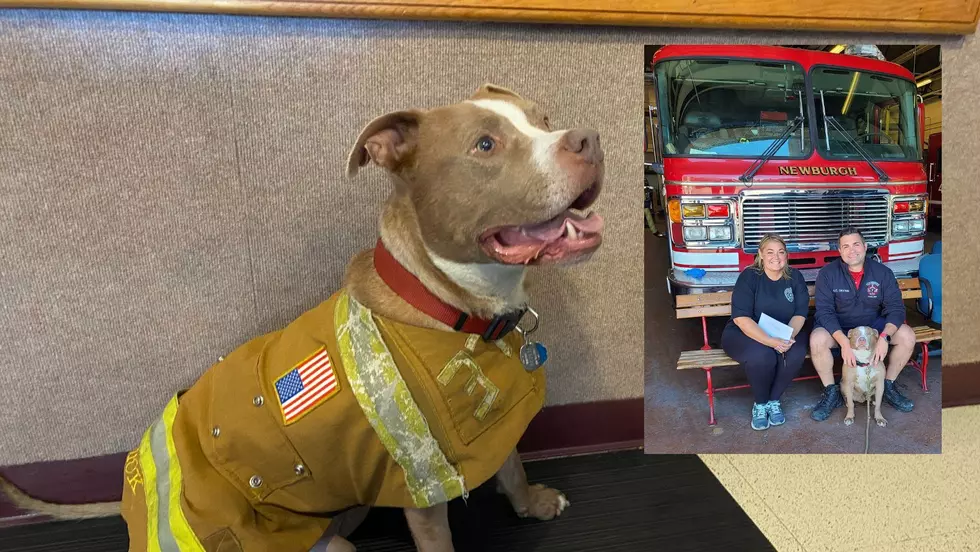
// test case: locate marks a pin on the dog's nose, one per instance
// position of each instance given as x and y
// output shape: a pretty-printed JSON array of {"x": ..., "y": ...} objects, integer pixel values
[{"x": 584, "y": 142}]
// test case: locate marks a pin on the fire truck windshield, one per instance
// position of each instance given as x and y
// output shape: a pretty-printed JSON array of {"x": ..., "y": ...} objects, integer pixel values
[
  {"x": 732, "y": 108},
  {"x": 877, "y": 111}
]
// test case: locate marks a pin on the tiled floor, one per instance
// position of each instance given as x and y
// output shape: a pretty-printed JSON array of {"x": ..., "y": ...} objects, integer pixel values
[{"x": 836, "y": 503}]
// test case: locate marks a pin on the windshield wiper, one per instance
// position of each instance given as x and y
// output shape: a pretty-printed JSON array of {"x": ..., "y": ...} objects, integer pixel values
[
  {"x": 882, "y": 177},
  {"x": 770, "y": 152}
]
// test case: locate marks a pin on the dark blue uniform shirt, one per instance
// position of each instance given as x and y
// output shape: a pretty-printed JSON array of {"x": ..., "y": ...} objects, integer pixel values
[
  {"x": 841, "y": 305},
  {"x": 755, "y": 293}
]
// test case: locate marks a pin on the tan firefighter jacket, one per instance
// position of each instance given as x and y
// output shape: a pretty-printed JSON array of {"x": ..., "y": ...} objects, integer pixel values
[{"x": 338, "y": 409}]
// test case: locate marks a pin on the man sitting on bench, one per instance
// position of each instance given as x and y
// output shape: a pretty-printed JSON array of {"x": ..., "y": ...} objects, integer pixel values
[{"x": 853, "y": 291}]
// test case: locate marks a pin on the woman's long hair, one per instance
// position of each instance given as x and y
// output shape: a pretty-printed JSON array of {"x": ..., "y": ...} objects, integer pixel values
[{"x": 759, "y": 263}]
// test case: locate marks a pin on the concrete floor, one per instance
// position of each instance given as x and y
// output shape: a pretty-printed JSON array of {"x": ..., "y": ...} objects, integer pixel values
[{"x": 677, "y": 407}]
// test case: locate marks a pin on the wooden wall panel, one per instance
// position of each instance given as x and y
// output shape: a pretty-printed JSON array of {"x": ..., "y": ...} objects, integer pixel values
[{"x": 922, "y": 16}]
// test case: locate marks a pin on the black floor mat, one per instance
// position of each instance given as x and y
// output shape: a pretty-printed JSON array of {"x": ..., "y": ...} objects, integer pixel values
[
  {"x": 91, "y": 535},
  {"x": 620, "y": 501}
]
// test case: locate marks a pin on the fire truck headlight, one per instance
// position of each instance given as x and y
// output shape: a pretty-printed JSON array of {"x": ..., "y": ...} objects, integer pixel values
[
  {"x": 695, "y": 233},
  {"x": 900, "y": 227},
  {"x": 917, "y": 226},
  {"x": 693, "y": 210},
  {"x": 720, "y": 233}
]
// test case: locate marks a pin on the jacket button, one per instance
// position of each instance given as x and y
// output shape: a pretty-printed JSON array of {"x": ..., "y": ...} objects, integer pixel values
[
  {"x": 258, "y": 400},
  {"x": 300, "y": 469},
  {"x": 216, "y": 431},
  {"x": 255, "y": 482},
  {"x": 220, "y": 358}
]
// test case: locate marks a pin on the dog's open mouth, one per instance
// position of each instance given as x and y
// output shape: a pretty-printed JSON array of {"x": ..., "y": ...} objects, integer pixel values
[{"x": 569, "y": 236}]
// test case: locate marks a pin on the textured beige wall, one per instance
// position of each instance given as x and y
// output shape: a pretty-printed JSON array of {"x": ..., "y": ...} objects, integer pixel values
[{"x": 171, "y": 185}]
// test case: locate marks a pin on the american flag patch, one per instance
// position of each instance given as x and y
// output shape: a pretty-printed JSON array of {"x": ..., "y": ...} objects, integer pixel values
[{"x": 306, "y": 386}]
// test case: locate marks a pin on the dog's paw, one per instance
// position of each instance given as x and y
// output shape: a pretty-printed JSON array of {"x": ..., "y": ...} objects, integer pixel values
[
  {"x": 545, "y": 503},
  {"x": 849, "y": 420},
  {"x": 881, "y": 420}
]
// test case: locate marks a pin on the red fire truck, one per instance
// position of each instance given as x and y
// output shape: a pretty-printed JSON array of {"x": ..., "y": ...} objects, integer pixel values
[{"x": 801, "y": 143}]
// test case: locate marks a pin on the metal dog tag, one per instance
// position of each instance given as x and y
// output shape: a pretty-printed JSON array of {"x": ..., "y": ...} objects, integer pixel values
[{"x": 533, "y": 354}]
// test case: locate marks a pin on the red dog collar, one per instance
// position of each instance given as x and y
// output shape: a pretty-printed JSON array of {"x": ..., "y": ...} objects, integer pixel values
[{"x": 411, "y": 289}]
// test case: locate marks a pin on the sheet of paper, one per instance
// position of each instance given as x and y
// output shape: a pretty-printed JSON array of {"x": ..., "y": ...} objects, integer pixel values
[{"x": 774, "y": 327}]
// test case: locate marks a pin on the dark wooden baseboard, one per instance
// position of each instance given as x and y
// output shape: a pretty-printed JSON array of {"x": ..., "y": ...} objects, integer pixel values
[
  {"x": 563, "y": 430},
  {"x": 584, "y": 428},
  {"x": 81, "y": 481},
  {"x": 961, "y": 384}
]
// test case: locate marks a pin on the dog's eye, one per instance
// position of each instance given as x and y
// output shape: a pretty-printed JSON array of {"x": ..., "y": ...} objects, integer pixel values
[{"x": 485, "y": 144}]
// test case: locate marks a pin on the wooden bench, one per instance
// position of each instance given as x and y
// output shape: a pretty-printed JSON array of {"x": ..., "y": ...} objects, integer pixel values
[
  {"x": 706, "y": 305},
  {"x": 700, "y": 305}
]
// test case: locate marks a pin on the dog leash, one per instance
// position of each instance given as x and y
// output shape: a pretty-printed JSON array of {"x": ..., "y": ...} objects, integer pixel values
[
  {"x": 867, "y": 428},
  {"x": 868, "y": 397}
]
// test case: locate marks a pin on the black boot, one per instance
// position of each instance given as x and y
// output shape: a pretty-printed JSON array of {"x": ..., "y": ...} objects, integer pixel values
[
  {"x": 831, "y": 400},
  {"x": 895, "y": 398}
]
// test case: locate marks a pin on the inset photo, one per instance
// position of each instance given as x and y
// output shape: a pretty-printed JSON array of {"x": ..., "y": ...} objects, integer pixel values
[{"x": 793, "y": 248}]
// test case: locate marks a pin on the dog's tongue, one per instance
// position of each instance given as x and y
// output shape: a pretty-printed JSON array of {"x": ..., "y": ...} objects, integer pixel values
[
  {"x": 523, "y": 244},
  {"x": 517, "y": 236},
  {"x": 549, "y": 231}
]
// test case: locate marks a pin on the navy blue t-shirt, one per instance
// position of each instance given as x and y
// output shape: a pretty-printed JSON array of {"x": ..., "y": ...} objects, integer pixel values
[{"x": 755, "y": 293}]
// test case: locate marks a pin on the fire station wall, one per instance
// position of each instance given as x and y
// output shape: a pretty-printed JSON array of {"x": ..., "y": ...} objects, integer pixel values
[
  {"x": 934, "y": 117},
  {"x": 172, "y": 185}
]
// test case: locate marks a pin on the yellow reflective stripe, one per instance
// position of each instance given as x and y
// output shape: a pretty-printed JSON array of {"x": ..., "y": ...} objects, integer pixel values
[
  {"x": 161, "y": 461},
  {"x": 182, "y": 534},
  {"x": 167, "y": 529},
  {"x": 150, "y": 492},
  {"x": 388, "y": 405}
]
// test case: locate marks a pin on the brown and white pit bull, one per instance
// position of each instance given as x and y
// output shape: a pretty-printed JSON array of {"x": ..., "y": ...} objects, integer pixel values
[
  {"x": 482, "y": 189},
  {"x": 859, "y": 382}
]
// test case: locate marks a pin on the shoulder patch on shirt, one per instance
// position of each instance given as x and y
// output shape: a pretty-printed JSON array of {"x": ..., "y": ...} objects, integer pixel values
[
  {"x": 788, "y": 292},
  {"x": 306, "y": 386}
]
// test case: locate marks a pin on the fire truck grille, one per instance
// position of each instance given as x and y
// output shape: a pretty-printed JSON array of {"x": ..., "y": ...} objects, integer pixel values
[{"x": 806, "y": 221}]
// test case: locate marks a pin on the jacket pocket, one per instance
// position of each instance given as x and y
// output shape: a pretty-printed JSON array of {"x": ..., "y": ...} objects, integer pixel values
[
  {"x": 247, "y": 440},
  {"x": 481, "y": 387},
  {"x": 221, "y": 541}
]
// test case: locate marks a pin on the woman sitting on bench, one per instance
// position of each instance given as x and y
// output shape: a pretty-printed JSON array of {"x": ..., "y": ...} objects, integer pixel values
[{"x": 772, "y": 287}]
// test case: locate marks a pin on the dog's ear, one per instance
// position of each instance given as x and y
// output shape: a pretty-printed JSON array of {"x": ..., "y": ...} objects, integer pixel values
[
  {"x": 489, "y": 90},
  {"x": 387, "y": 140},
  {"x": 850, "y": 334},
  {"x": 874, "y": 332}
]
